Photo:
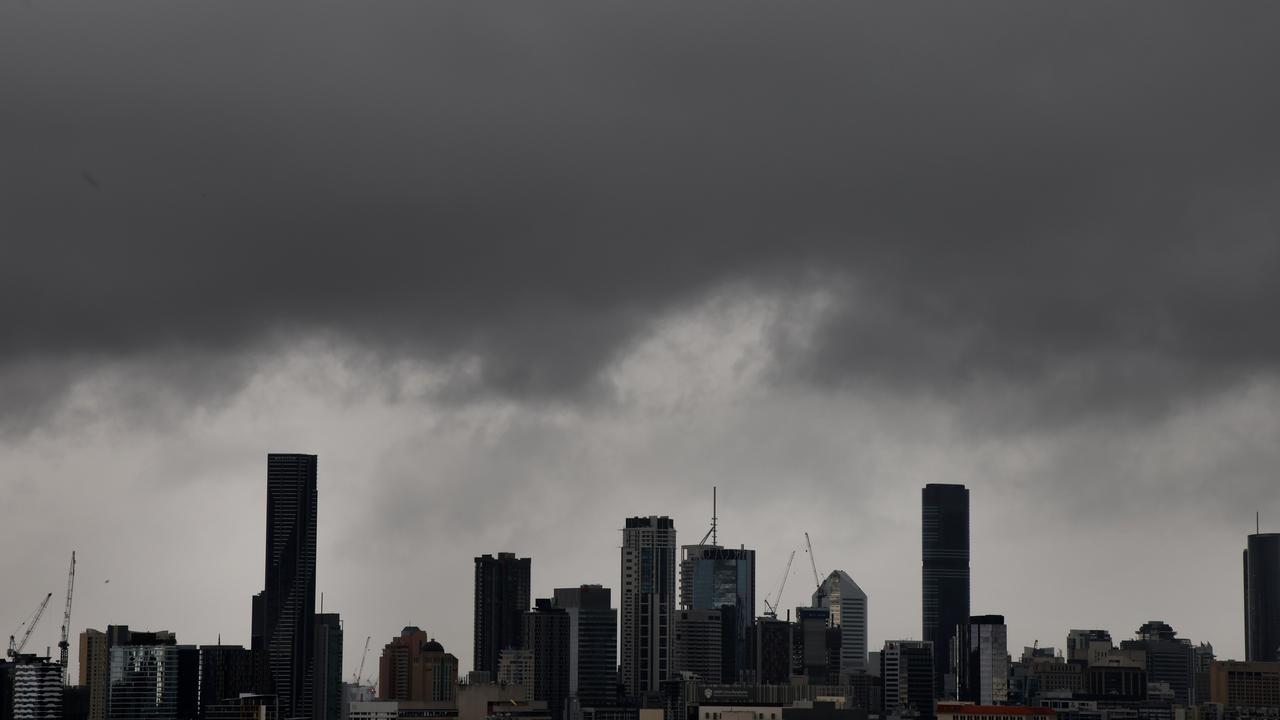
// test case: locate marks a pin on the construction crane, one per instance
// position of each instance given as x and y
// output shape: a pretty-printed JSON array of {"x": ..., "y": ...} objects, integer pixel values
[
  {"x": 817, "y": 579},
  {"x": 777, "y": 599},
  {"x": 64, "y": 647},
  {"x": 360, "y": 672},
  {"x": 16, "y": 647}
]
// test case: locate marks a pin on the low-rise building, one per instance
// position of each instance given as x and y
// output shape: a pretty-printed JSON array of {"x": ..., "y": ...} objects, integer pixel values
[
  {"x": 968, "y": 711},
  {"x": 1245, "y": 684}
]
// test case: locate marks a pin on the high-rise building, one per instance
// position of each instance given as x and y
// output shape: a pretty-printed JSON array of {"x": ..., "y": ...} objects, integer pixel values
[
  {"x": 847, "y": 607},
  {"x": 648, "y": 602},
  {"x": 414, "y": 668},
  {"x": 546, "y": 638},
  {"x": 226, "y": 672},
  {"x": 768, "y": 652},
  {"x": 945, "y": 565},
  {"x": 37, "y": 688},
  {"x": 698, "y": 646},
  {"x": 94, "y": 666},
  {"x": 593, "y": 644},
  {"x": 152, "y": 677},
  {"x": 816, "y": 646},
  {"x": 284, "y": 613},
  {"x": 713, "y": 577},
  {"x": 906, "y": 673},
  {"x": 501, "y": 599},
  {"x": 1262, "y": 598},
  {"x": 1168, "y": 658},
  {"x": 326, "y": 693},
  {"x": 982, "y": 660}
]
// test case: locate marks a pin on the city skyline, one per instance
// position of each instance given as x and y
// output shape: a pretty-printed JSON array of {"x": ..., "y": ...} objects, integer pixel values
[
  {"x": 517, "y": 276},
  {"x": 1060, "y": 643}
]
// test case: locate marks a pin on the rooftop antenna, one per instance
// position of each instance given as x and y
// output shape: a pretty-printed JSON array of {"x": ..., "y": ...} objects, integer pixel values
[
  {"x": 1257, "y": 522},
  {"x": 712, "y": 532}
]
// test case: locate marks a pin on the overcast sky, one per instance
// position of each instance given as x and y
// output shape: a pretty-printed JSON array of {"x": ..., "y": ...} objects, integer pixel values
[{"x": 515, "y": 273}]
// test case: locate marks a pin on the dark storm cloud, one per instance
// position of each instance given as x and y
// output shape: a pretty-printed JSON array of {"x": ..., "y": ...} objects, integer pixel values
[{"x": 1075, "y": 198}]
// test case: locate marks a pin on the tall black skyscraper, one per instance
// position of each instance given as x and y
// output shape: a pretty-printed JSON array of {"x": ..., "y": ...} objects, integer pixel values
[
  {"x": 326, "y": 686},
  {"x": 502, "y": 597},
  {"x": 546, "y": 636},
  {"x": 945, "y": 582},
  {"x": 1262, "y": 598},
  {"x": 284, "y": 612},
  {"x": 593, "y": 644}
]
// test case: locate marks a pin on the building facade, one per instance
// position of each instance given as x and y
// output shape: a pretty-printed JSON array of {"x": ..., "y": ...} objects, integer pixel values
[
  {"x": 906, "y": 674},
  {"x": 414, "y": 668},
  {"x": 153, "y": 681},
  {"x": 593, "y": 644},
  {"x": 226, "y": 672},
  {"x": 815, "y": 647},
  {"x": 1088, "y": 646},
  {"x": 546, "y": 638},
  {"x": 501, "y": 599},
  {"x": 714, "y": 577},
  {"x": 326, "y": 693},
  {"x": 1166, "y": 658},
  {"x": 1262, "y": 598},
  {"x": 768, "y": 652},
  {"x": 699, "y": 645},
  {"x": 648, "y": 602},
  {"x": 983, "y": 660},
  {"x": 37, "y": 688},
  {"x": 945, "y": 571},
  {"x": 94, "y": 667},
  {"x": 285, "y": 611},
  {"x": 1244, "y": 684},
  {"x": 847, "y": 610}
]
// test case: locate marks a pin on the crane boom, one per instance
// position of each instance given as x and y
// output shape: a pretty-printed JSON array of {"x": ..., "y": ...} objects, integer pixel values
[
  {"x": 777, "y": 598},
  {"x": 64, "y": 646},
  {"x": 360, "y": 672},
  {"x": 817, "y": 579},
  {"x": 15, "y": 648}
]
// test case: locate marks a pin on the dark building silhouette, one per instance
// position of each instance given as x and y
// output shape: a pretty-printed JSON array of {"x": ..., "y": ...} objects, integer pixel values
[
  {"x": 75, "y": 702},
  {"x": 285, "y": 611},
  {"x": 326, "y": 693},
  {"x": 1262, "y": 598},
  {"x": 648, "y": 602},
  {"x": 945, "y": 561},
  {"x": 501, "y": 599},
  {"x": 226, "y": 671},
  {"x": 6, "y": 688},
  {"x": 546, "y": 638},
  {"x": 593, "y": 644},
  {"x": 906, "y": 674},
  {"x": 815, "y": 647},
  {"x": 1169, "y": 659},
  {"x": 769, "y": 652},
  {"x": 1115, "y": 683},
  {"x": 699, "y": 645}
]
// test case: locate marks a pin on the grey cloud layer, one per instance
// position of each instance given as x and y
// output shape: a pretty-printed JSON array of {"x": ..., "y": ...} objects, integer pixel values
[{"x": 1074, "y": 198}]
